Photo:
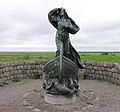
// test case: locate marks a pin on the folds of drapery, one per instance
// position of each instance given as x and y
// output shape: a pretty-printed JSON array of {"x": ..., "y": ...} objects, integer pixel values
[{"x": 52, "y": 16}]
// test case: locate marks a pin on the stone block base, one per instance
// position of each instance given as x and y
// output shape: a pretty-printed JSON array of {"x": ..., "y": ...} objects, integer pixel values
[{"x": 59, "y": 99}]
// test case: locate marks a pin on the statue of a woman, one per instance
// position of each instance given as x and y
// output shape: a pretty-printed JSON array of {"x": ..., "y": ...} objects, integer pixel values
[
  {"x": 61, "y": 73},
  {"x": 65, "y": 25}
]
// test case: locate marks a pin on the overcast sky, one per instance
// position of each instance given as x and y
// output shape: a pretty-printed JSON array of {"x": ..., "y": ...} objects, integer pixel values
[{"x": 24, "y": 24}]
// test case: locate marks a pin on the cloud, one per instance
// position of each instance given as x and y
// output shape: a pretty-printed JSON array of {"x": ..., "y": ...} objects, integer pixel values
[{"x": 24, "y": 24}]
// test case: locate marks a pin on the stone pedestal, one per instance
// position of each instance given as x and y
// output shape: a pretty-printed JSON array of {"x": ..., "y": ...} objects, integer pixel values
[{"x": 59, "y": 99}]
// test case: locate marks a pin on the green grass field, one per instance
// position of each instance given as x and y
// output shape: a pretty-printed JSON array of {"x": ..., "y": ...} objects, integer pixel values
[
  {"x": 25, "y": 56},
  {"x": 37, "y": 56},
  {"x": 99, "y": 57}
]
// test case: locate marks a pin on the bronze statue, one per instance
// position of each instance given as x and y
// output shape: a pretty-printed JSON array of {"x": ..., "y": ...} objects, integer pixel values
[{"x": 61, "y": 73}]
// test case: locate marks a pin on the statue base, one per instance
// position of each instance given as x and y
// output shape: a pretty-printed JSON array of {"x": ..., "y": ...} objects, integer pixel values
[{"x": 59, "y": 99}]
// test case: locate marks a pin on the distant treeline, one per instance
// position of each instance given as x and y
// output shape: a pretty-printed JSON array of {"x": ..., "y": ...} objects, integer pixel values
[{"x": 99, "y": 52}]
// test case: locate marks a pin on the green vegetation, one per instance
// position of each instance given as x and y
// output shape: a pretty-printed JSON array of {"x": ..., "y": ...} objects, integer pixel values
[
  {"x": 36, "y": 76},
  {"x": 16, "y": 79},
  {"x": 38, "y": 56},
  {"x": 25, "y": 56},
  {"x": 2, "y": 84},
  {"x": 101, "y": 57}
]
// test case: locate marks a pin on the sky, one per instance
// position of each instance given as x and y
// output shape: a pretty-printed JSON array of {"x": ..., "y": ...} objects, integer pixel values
[{"x": 24, "y": 25}]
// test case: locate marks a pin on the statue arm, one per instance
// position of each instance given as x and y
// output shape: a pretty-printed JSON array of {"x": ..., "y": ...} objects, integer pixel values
[
  {"x": 53, "y": 13},
  {"x": 73, "y": 22},
  {"x": 73, "y": 28}
]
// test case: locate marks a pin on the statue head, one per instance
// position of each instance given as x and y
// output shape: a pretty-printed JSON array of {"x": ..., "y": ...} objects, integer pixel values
[{"x": 62, "y": 13}]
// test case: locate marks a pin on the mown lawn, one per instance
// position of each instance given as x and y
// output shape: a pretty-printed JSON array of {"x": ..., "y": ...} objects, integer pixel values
[{"x": 37, "y": 56}]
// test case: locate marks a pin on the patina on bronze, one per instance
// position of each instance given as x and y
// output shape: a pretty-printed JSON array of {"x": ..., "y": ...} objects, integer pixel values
[{"x": 61, "y": 74}]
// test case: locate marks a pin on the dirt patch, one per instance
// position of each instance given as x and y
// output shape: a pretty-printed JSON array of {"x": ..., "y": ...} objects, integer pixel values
[
  {"x": 95, "y": 96},
  {"x": 85, "y": 100}
]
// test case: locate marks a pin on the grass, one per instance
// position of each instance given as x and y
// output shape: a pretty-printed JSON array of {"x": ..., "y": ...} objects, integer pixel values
[
  {"x": 25, "y": 56},
  {"x": 16, "y": 80},
  {"x": 99, "y": 57},
  {"x": 38, "y": 56},
  {"x": 2, "y": 84}
]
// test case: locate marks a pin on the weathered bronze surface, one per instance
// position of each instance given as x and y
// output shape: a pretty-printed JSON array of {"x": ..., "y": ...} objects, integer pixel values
[{"x": 61, "y": 73}]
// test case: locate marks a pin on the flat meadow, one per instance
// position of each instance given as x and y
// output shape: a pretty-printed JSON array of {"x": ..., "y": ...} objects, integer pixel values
[{"x": 38, "y": 56}]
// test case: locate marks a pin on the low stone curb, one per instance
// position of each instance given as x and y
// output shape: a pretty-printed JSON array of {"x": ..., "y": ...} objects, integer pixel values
[
  {"x": 27, "y": 104},
  {"x": 30, "y": 108}
]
